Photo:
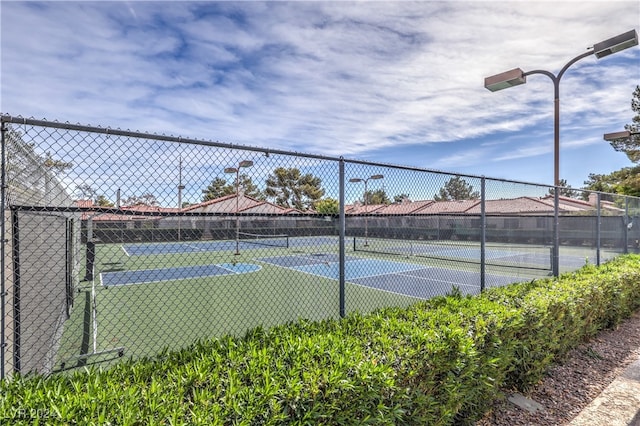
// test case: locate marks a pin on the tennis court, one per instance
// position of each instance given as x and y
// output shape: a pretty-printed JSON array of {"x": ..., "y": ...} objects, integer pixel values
[
  {"x": 145, "y": 276},
  {"x": 534, "y": 257},
  {"x": 402, "y": 278},
  {"x": 148, "y": 296},
  {"x": 245, "y": 242}
]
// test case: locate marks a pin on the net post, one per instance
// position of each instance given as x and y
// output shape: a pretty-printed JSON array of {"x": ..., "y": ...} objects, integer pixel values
[
  {"x": 91, "y": 251},
  {"x": 341, "y": 241},
  {"x": 483, "y": 230}
]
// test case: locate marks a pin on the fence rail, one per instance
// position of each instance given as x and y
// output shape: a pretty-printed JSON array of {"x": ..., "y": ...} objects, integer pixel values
[{"x": 119, "y": 244}]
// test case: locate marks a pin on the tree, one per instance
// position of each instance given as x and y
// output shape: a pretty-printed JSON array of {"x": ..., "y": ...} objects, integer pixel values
[
  {"x": 565, "y": 191},
  {"x": 216, "y": 189},
  {"x": 631, "y": 145},
  {"x": 290, "y": 188},
  {"x": 456, "y": 188},
  {"x": 22, "y": 157},
  {"x": 250, "y": 189},
  {"x": 147, "y": 199},
  {"x": 84, "y": 191},
  {"x": 56, "y": 166},
  {"x": 103, "y": 201},
  {"x": 328, "y": 206},
  {"x": 379, "y": 196},
  {"x": 219, "y": 188},
  {"x": 625, "y": 181}
]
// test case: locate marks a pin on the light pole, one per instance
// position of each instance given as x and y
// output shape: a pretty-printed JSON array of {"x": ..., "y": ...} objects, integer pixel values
[
  {"x": 180, "y": 189},
  {"x": 516, "y": 77},
  {"x": 373, "y": 177},
  {"x": 236, "y": 170}
]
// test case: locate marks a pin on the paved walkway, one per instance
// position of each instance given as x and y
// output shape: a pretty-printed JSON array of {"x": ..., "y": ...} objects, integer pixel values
[{"x": 617, "y": 405}]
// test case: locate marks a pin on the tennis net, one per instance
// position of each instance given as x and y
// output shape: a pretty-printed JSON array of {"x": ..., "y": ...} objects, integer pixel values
[
  {"x": 271, "y": 240},
  {"x": 501, "y": 255}
]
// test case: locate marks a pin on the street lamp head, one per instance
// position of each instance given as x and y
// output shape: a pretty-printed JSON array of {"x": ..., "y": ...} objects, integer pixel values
[
  {"x": 609, "y": 137},
  {"x": 355, "y": 180},
  {"x": 376, "y": 177},
  {"x": 246, "y": 163},
  {"x": 615, "y": 44},
  {"x": 505, "y": 80},
  {"x": 230, "y": 170},
  {"x": 625, "y": 134}
]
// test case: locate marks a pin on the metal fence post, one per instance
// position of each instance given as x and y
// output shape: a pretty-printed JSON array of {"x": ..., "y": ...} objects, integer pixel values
[
  {"x": 626, "y": 224},
  {"x": 16, "y": 292},
  {"x": 341, "y": 233},
  {"x": 3, "y": 178},
  {"x": 598, "y": 229},
  {"x": 483, "y": 234},
  {"x": 556, "y": 233}
]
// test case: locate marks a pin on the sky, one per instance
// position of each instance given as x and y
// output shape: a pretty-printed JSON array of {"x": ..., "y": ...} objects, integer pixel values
[{"x": 393, "y": 82}]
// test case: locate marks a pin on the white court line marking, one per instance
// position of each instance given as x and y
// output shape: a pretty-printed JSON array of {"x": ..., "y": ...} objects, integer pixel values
[{"x": 438, "y": 280}]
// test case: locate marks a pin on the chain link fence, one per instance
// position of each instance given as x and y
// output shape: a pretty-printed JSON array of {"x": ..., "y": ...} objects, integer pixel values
[{"x": 120, "y": 244}]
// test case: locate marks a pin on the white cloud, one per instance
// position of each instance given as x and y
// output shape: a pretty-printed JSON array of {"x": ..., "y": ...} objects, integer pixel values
[{"x": 337, "y": 78}]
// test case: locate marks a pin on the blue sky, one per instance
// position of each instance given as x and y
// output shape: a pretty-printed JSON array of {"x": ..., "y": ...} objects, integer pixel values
[{"x": 395, "y": 82}]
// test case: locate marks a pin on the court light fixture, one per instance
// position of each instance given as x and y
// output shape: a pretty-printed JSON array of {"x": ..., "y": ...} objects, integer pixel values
[
  {"x": 615, "y": 44},
  {"x": 626, "y": 134},
  {"x": 514, "y": 77},
  {"x": 374, "y": 177}
]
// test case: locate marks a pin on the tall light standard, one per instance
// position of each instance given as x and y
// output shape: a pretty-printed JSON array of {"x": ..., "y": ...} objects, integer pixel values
[
  {"x": 373, "y": 177},
  {"x": 236, "y": 170},
  {"x": 516, "y": 77},
  {"x": 180, "y": 189}
]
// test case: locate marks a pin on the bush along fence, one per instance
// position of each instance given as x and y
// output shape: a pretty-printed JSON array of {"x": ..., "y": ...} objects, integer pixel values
[
  {"x": 437, "y": 362},
  {"x": 116, "y": 245}
]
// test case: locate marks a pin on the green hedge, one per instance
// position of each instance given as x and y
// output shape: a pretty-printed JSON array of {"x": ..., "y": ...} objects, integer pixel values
[{"x": 439, "y": 362}]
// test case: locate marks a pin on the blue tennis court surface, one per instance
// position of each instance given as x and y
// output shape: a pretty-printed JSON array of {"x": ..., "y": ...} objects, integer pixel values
[
  {"x": 539, "y": 257},
  {"x": 404, "y": 278},
  {"x": 177, "y": 273}
]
